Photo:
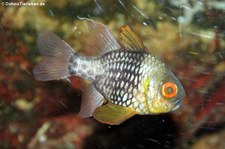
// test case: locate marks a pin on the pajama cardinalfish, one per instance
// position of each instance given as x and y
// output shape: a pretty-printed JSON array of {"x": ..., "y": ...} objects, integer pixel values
[{"x": 124, "y": 79}]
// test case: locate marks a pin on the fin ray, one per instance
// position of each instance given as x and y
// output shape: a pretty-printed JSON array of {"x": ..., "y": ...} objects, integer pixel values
[
  {"x": 51, "y": 45},
  {"x": 90, "y": 101},
  {"x": 50, "y": 68},
  {"x": 130, "y": 40},
  {"x": 113, "y": 114},
  {"x": 102, "y": 37},
  {"x": 56, "y": 55}
]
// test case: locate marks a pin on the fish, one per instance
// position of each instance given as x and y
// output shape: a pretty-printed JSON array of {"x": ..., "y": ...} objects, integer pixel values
[{"x": 125, "y": 79}]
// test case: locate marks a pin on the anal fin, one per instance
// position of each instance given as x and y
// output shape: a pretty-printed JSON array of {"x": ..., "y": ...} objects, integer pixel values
[
  {"x": 90, "y": 101},
  {"x": 113, "y": 114}
]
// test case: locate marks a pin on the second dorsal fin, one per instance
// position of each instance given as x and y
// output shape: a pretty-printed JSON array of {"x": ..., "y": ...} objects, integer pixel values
[
  {"x": 103, "y": 39},
  {"x": 130, "y": 40}
]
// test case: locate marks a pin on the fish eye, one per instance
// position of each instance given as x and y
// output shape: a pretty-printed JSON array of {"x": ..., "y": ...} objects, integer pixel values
[{"x": 169, "y": 89}]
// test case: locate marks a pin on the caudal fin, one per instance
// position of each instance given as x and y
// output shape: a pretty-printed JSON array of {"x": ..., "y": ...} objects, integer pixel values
[{"x": 56, "y": 55}]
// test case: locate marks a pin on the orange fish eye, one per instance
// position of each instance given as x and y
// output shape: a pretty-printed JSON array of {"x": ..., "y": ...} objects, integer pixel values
[{"x": 169, "y": 89}]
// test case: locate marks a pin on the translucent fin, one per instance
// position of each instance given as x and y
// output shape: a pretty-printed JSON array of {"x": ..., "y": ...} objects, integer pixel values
[
  {"x": 56, "y": 54},
  {"x": 50, "y": 68},
  {"x": 90, "y": 101},
  {"x": 130, "y": 40},
  {"x": 102, "y": 37},
  {"x": 113, "y": 114}
]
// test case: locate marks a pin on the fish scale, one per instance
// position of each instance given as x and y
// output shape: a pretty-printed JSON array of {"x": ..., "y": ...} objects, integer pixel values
[
  {"x": 118, "y": 82},
  {"x": 116, "y": 74},
  {"x": 85, "y": 67}
]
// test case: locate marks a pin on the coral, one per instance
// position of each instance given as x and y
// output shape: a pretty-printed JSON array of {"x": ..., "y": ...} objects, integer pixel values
[{"x": 190, "y": 8}]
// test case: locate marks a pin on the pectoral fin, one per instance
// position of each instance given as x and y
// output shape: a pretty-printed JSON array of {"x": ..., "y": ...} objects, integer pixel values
[{"x": 113, "y": 114}]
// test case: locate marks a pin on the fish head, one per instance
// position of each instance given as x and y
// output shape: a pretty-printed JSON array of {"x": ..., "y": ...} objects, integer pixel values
[{"x": 168, "y": 93}]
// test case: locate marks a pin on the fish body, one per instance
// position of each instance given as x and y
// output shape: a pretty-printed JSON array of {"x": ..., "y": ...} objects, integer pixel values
[{"x": 124, "y": 80}]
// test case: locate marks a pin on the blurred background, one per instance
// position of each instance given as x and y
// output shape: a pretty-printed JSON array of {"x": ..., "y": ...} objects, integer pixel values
[{"x": 188, "y": 35}]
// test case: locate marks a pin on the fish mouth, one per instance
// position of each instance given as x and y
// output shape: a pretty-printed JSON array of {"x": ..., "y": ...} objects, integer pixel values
[{"x": 177, "y": 104}]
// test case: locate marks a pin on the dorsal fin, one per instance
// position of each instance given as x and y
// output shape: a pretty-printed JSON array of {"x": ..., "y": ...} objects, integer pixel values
[
  {"x": 103, "y": 39},
  {"x": 130, "y": 40}
]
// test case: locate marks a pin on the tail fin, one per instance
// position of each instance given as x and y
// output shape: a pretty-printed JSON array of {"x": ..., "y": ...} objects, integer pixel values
[{"x": 56, "y": 55}]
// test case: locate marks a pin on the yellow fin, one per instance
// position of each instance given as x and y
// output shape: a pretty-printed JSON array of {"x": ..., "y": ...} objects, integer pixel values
[
  {"x": 113, "y": 114},
  {"x": 130, "y": 40}
]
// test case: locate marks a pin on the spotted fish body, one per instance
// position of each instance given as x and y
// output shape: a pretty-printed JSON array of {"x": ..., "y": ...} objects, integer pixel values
[
  {"x": 125, "y": 72},
  {"x": 115, "y": 75},
  {"x": 125, "y": 80},
  {"x": 122, "y": 76}
]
